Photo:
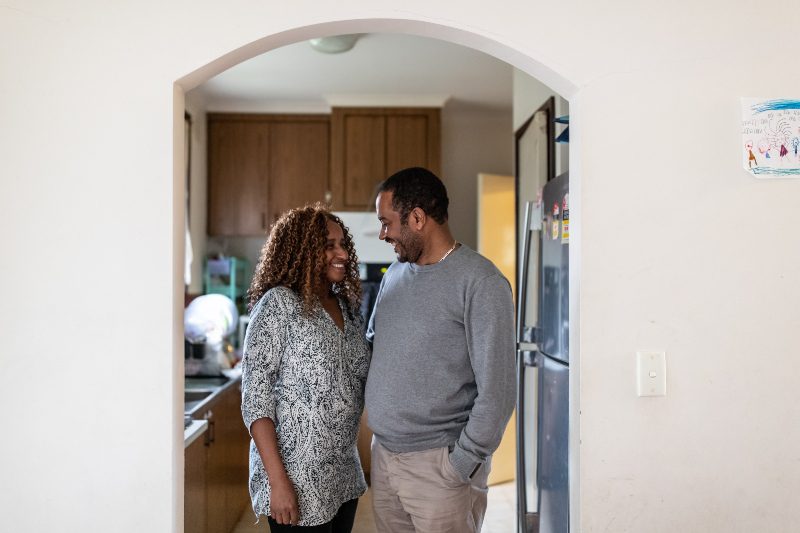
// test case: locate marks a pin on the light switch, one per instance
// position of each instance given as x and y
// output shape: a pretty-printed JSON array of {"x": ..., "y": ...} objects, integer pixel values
[{"x": 651, "y": 373}]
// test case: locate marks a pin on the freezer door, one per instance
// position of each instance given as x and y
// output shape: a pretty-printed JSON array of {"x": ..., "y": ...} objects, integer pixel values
[{"x": 553, "y": 446}]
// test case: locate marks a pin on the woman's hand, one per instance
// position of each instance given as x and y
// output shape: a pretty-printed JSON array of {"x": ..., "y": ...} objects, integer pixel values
[{"x": 283, "y": 501}]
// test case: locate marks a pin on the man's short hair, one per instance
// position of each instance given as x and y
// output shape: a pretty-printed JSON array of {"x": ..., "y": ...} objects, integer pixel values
[{"x": 417, "y": 187}]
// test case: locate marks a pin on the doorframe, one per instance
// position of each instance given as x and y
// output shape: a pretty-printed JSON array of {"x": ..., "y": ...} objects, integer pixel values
[{"x": 472, "y": 38}]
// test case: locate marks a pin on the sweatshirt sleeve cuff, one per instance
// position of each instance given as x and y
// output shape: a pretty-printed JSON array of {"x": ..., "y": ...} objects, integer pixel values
[{"x": 463, "y": 462}]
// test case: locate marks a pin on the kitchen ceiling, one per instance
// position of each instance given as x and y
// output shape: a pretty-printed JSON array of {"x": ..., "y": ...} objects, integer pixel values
[{"x": 382, "y": 69}]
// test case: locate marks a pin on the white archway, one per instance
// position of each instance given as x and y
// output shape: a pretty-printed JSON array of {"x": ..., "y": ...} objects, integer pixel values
[{"x": 503, "y": 51}]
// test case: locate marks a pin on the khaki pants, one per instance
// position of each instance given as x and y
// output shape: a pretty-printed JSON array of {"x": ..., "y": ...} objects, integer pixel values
[{"x": 420, "y": 492}]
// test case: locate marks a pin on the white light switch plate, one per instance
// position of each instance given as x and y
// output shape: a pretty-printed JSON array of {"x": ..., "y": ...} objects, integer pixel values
[{"x": 651, "y": 373}]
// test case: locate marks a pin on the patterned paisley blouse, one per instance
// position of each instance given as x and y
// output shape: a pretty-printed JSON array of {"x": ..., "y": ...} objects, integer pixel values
[{"x": 308, "y": 377}]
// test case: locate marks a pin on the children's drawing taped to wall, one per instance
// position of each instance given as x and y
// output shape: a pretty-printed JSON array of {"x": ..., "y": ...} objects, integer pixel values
[{"x": 771, "y": 137}]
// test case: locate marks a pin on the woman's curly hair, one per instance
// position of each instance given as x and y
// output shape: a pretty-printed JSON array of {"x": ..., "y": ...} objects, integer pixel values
[{"x": 294, "y": 257}]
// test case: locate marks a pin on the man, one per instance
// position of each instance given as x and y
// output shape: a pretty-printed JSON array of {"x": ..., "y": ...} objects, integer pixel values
[{"x": 441, "y": 386}]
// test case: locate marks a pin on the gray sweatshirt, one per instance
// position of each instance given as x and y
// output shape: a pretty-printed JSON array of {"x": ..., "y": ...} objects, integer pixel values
[{"x": 442, "y": 371}]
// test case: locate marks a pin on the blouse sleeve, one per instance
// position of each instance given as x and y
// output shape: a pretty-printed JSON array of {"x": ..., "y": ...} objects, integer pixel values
[{"x": 263, "y": 345}]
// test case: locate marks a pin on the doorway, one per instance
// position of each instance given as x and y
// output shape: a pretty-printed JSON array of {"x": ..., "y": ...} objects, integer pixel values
[{"x": 472, "y": 40}]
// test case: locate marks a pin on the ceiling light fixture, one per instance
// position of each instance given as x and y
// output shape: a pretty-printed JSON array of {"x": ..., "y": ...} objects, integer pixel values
[{"x": 336, "y": 44}]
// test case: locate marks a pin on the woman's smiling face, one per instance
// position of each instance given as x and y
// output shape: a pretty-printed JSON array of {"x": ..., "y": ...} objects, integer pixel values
[{"x": 335, "y": 254}]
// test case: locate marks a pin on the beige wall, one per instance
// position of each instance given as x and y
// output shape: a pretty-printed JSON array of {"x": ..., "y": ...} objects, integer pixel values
[
  {"x": 474, "y": 140},
  {"x": 669, "y": 251},
  {"x": 198, "y": 212},
  {"x": 529, "y": 95}
]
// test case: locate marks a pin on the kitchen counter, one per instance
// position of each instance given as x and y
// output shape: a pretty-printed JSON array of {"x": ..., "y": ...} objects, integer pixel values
[
  {"x": 193, "y": 431},
  {"x": 199, "y": 392}
]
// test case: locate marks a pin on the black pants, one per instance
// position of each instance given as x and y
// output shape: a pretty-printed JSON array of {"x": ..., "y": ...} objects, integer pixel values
[{"x": 342, "y": 522}]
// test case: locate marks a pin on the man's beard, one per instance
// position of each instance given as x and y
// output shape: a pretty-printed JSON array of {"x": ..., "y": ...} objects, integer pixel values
[{"x": 409, "y": 245}]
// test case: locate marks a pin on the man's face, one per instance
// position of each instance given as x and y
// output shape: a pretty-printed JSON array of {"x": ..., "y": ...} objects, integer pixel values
[{"x": 407, "y": 243}]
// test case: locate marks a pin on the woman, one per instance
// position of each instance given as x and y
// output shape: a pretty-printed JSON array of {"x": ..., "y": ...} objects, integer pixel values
[{"x": 304, "y": 369}]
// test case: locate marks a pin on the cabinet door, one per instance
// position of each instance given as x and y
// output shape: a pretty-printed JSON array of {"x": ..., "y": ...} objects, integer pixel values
[
  {"x": 194, "y": 488},
  {"x": 358, "y": 159},
  {"x": 225, "y": 458},
  {"x": 235, "y": 456},
  {"x": 370, "y": 144},
  {"x": 238, "y": 162},
  {"x": 299, "y": 165},
  {"x": 240, "y": 454},
  {"x": 216, "y": 473},
  {"x": 406, "y": 142}
]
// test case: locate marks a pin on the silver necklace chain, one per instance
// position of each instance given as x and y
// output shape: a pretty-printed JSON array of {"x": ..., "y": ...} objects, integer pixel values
[{"x": 455, "y": 243}]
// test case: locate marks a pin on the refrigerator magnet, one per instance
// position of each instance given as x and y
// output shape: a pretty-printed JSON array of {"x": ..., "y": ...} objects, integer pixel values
[
  {"x": 565, "y": 220},
  {"x": 556, "y": 222}
]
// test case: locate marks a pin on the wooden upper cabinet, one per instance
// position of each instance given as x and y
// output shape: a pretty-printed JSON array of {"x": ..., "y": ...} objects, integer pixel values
[
  {"x": 299, "y": 165},
  {"x": 370, "y": 144},
  {"x": 238, "y": 159},
  {"x": 364, "y": 158},
  {"x": 261, "y": 165},
  {"x": 407, "y": 143}
]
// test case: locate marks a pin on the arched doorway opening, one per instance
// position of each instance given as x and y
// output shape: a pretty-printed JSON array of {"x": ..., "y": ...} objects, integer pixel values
[{"x": 470, "y": 39}]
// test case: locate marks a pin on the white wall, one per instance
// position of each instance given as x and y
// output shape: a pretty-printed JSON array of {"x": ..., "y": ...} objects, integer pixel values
[
  {"x": 675, "y": 258},
  {"x": 677, "y": 249},
  {"x": 474, "y": 140},
  {"x": 529, "y": 95},
  {"x": 198, "y": 212},
  {"x": 364, "y": 228}
]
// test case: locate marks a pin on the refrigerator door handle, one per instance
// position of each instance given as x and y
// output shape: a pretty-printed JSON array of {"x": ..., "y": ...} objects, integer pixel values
[
  {"x": 522, "y": 295},
  {"x": 527, "y": 522}
]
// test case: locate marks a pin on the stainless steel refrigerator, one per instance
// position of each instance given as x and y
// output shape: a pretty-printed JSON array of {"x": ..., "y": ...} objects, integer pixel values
[{"x": 543, "y": 363}]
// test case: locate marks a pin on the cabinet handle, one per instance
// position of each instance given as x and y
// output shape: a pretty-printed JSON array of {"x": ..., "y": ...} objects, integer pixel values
[
  {"x": 263, "y": 220},
  {"x": 210, "y": 434},
  {"x": 328, "y": 197}
]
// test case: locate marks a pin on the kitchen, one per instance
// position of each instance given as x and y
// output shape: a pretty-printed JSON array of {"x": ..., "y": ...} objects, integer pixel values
[{"x": 475, "y": 101}]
